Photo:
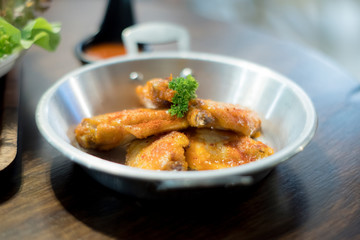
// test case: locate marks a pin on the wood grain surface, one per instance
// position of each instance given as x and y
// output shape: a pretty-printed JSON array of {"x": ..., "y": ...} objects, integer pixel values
[
  {"x": 9, "y": 113},
  {"x": 314, "y": 195}
]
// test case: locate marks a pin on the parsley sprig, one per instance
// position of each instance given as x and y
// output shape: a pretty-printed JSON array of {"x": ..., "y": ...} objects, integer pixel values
[{"x": 185, "y": 91}]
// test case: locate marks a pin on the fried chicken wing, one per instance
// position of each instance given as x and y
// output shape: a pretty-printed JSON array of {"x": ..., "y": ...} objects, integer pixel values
[
  {"x": 165, "y": 152},
  {"x": 223, "y": 116},
  {"x": 107, "y": 131},
  {"x": 155, "y": 93},
  {"x": 215, "y": 149},
  {"x": 202, "y": 113}
]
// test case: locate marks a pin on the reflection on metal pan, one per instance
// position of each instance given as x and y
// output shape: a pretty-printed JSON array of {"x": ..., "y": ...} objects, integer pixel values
[{"x": 288, "y": 116}]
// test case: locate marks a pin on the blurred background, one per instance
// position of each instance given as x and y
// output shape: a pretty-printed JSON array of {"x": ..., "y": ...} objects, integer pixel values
[
  {"x": 328, "y": 27},
  {"x": 331, "y": 27}
]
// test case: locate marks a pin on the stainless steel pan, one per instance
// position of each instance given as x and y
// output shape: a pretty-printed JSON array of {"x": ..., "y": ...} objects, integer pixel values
[{"x": 288, "y": 116}]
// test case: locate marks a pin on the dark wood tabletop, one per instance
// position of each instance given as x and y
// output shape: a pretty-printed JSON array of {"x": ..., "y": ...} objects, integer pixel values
[{"x": 314, "y": 195}]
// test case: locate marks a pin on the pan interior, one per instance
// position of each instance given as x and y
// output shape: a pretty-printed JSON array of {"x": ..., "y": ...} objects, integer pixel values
[{"x": 103, "y": 88}]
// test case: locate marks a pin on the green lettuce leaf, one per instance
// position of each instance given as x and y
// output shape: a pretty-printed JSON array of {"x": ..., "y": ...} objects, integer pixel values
[
  {"x": 9, "y": 38},
  {"x": 41, "y": 33},
  {"x": 38, "y": 31}
]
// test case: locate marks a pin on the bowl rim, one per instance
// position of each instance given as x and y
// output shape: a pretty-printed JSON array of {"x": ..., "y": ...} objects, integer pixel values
[
  {"x": 7, "y": 62},
  {"x": 116, "y": 169}
]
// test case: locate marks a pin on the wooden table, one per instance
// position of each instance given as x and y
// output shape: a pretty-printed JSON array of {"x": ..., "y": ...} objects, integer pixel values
[{"x": 315, "y": 195}]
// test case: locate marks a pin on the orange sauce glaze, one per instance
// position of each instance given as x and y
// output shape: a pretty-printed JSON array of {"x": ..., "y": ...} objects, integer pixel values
[{"x": 105, "y": 50}]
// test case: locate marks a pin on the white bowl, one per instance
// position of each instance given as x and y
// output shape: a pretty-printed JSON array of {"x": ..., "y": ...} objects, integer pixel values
[
  {"x": 288, "y": 116},
  {"x": 7, "y": 63}
]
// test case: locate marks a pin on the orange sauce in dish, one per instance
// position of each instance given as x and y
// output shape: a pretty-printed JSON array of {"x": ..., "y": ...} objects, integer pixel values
[{"x": 105, "y": 50}]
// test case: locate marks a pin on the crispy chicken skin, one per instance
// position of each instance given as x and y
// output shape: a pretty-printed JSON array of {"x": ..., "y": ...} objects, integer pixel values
[
  {"x": 215, "y": 149},
  {"x": 107, "y": 131},
  {"x": 155, "y": 93},
  {"x": 165, "y": 152},
  {"x": 213, "y": 135},
  {"x": 223, "y": 116},
  {"x": 202, "y": 113}
]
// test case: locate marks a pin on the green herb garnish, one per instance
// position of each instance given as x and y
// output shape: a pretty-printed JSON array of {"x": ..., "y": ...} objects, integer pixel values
[
  {"x": 37, "y": 31},
  {"x": 9, "y": 38},
  {"x": 185, "y": 91}
]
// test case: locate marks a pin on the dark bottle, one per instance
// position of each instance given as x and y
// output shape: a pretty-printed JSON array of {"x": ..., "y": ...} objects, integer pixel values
[{"x": 107, "y": 41}]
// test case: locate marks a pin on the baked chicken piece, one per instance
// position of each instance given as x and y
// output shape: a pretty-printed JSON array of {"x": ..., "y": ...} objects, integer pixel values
[
  {"x": 104, "y": 132},
  {"x": 202, "y": 113},
  {"x": 165, "y": 152},
  {"x": 155, "y": 93},
  {"x": 216, "y": 149},
  {"x": 223, "y": 116}
]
